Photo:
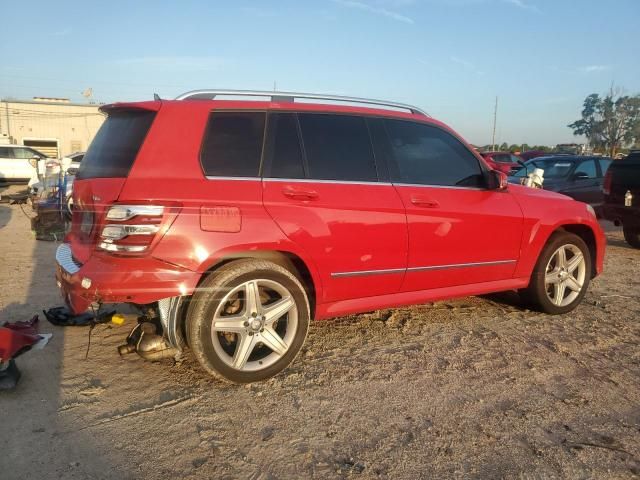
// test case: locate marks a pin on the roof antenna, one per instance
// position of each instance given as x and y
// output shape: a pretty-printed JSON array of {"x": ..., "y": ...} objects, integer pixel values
[{"x": 156, "y": 97}]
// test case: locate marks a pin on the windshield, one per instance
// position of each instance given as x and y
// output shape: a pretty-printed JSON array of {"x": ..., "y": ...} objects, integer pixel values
[
  {"x": 501, "y": 158},
  {"x": 553, "y": 167}
]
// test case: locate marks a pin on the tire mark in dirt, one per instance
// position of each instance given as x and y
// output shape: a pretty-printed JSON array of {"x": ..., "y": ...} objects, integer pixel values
[{"x": 140, "y": 411}]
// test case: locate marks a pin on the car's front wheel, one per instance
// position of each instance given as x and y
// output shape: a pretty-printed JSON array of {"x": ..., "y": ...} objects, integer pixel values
[
  {"x": 632, "y": 235},
  {"x": 248, "y": 320},
  {"x": 561, "y": 276}
]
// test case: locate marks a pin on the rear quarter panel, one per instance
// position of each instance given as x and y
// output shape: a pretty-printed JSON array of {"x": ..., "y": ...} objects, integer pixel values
[{"x": 168, "y": 170}]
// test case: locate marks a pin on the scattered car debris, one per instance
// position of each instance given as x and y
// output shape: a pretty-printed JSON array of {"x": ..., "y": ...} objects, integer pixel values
[
  {"x": 63, "y": 317},
  {"x": 15, "y": 339}
]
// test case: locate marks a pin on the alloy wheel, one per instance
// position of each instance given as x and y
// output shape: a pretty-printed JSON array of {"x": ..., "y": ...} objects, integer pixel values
[
  {"x": 254, "y": 325},
  {"x": 565, "y": 275}
]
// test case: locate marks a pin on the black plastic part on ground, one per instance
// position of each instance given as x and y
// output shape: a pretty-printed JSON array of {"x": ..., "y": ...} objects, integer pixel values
[{"x": 63, "y": 317}]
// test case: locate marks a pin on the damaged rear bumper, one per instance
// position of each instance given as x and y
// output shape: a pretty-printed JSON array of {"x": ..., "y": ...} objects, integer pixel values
[{"x": 108, "y": 279}]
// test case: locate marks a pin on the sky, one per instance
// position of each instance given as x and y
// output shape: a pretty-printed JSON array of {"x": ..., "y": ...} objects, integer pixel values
[{"x": 541, "y": 58}]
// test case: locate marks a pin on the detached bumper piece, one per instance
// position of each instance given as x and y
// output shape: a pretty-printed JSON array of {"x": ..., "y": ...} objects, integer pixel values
[
  {"x": 63, "y": 317},
  {"x": 15, "y": 339}
]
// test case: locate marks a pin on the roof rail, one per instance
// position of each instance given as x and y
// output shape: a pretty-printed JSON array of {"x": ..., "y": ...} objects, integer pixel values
[{"x": 291, "y": 96}]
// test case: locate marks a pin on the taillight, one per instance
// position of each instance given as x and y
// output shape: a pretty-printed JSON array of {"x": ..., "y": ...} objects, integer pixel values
[
  {"x": 132, "y": 229},
  {"x": 606, "y": 185}
]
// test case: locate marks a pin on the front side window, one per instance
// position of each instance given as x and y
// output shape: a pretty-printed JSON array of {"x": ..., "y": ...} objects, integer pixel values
[
  {"x": 232, "y": 144},
  {"x": 337, "y": 147},
  {"x": 427, "y": 155}
]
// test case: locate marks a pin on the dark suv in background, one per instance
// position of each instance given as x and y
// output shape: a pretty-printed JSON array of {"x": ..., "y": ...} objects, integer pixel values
[
  {"x": 622, "y": 196},
  {"x": 579, "y": 177}
]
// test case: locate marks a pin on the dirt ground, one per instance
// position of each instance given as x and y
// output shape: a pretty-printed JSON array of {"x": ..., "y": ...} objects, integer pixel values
[{"x": 471, "y": 388}]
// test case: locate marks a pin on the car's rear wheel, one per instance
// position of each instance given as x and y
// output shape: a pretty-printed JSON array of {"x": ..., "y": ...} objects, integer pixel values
[
  {"x": 632, "y": 235},
  {"x": 248, "y": 320},
  {"x": 561, "y": 276}
]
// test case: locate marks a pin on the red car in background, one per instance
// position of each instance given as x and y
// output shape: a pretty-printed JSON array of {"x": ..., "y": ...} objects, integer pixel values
[{"x": 505, "y": 162}]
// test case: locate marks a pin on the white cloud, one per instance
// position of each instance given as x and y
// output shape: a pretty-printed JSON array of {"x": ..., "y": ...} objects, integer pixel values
[
  {"x": 523, "y": 5},
  {"x": 595, "y": 68},
  {"x": 259, "y": 12},
  {"x": 375, "y": 9},
  {"x": 466, "y": 64},
  {"x": 62, "y": 33}
]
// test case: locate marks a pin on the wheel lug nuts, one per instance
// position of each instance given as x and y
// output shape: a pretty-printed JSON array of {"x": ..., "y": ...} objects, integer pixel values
[
  {"x": 254, "y": 314},
  {"x": 246, "y": 324}
]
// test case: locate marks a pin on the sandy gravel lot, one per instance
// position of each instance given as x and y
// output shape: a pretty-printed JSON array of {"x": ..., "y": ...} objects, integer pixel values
[{"x": 471, "y": 388}]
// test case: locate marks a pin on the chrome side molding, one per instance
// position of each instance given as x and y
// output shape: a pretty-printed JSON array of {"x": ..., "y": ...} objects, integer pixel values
[{"x": 391, "y": 271}]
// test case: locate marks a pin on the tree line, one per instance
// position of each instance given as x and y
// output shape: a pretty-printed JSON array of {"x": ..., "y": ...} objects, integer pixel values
[{"x": 610, "y": 122}]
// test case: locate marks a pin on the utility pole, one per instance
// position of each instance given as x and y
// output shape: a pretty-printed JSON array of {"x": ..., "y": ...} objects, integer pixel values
[{"x": 495, "y": 116}]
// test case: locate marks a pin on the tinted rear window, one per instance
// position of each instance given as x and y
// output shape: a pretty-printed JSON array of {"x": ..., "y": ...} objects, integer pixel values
[
  {"x": 232, "y": 144},
  {"x": 116, "y": 145}
]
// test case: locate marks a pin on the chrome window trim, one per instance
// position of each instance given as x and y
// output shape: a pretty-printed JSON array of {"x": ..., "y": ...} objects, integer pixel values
[
  {"x": 358, "y": 273},
  {"x": 221, "y": 177},
  {"x": 311, "y": 180},
  {"x": 453, "y": 187}
]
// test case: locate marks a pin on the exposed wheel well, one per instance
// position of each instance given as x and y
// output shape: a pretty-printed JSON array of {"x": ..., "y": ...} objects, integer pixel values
[
  {"x": 587, "y": 235},
  {"x": 288, "y": 260}
]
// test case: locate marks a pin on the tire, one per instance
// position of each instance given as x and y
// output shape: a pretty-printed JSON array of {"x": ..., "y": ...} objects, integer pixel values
[
  {"x": 554, "y": 287},
  {"x": 632, "y": 235},
  {"x": 249, "y": 341}
]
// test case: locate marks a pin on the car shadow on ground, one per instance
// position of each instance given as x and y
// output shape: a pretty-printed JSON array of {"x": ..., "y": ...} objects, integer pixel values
[{"x": 31, "y": 419}]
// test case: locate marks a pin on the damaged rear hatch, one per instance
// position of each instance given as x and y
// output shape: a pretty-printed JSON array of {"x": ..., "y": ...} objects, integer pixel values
[{"x": 104, "y": 170}]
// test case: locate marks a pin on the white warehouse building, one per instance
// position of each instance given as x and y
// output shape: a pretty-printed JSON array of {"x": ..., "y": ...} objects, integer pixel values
[{"x": 53, "y": 126}]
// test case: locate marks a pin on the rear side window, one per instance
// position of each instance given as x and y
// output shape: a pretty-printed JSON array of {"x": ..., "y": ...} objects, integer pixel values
[
  {"x": 25, "y": 153},
  {"x": 6, "y": 152},
  {"x": 427, "y": 155},
  {"x": 605, "y": 163},
  {"x": 232, "y": 144},
  {"x": 116, "y": 145},
  {"x": 337, "y": 147}
]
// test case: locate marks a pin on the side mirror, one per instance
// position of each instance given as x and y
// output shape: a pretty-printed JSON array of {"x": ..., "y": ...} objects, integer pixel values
[
  {"x": 33, "y": 161},
  {"x": 580, "y": 176},
  {"x": 497, "y": 180}
]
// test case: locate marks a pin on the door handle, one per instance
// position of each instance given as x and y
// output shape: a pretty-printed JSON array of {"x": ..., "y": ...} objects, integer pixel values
[
  {"x": 425, "y": 202},
  {"x": 298, "y": 194}
]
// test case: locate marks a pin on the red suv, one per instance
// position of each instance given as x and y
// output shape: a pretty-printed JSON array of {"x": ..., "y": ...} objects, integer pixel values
[
  {"x": 238, "y": 221},
  {"x": 505, "y": 162}
]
